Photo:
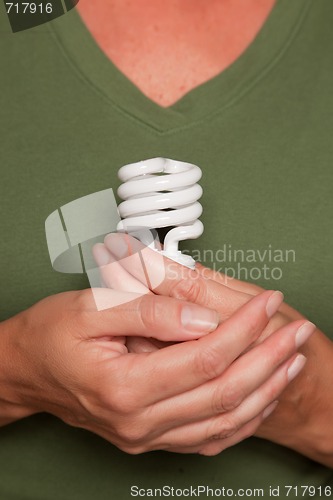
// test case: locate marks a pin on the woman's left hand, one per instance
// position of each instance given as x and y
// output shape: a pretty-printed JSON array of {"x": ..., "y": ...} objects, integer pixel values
[{"x": 303, "y": 418}]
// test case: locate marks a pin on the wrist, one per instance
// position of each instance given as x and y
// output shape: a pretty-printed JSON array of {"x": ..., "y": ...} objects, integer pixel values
[{"x": 15, "y": 383}]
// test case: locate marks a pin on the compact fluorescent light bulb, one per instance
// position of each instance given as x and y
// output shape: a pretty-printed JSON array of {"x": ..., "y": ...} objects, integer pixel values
[{"x": 160, "y": 192}]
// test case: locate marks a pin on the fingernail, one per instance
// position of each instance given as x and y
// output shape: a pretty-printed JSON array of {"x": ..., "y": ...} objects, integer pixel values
[
  {"x": 117, "y": 245},
  {"x": 296, "y": 367},
  {"x": 304, "y": 332},
  {"x": 199, "y": 319},
  {"x": 274, "y": 303},
  {"x": 270, "y": 409},
  {"x": 101, "y": 255}
]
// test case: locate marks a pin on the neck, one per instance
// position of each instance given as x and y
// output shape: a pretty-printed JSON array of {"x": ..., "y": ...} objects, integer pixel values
[{"x": 167, "y": 48}]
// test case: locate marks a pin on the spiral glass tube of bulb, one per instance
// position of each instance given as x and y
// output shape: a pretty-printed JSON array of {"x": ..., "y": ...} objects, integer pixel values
[{"x": 158, "y": 193}]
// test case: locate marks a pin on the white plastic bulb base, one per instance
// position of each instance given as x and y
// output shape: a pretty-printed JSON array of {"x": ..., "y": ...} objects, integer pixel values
[{"x": 179, "y": 257}]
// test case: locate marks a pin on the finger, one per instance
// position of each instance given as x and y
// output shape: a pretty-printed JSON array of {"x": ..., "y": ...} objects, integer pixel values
[
  {"x": 201, "y": 285},
  {"x": 113, "y": 274},
  {"x": 214, "y": 446},
  {"x": 173, "y": 441},
  {"x": 166, "y": 277},
  {"x": 243, "y": 287},
  {"x": 157, "y": 271},
  {"x": 230, "y": 282},
  {"x": 140, "y": 344},
  {"x": 194, "y": 363},
  {"x": 247, "y": 374},
  {"x": 217, "y": 446},
  {"x": 123, "y": 246},
  {"x": 228, "y": 424},
  {"x": 128, "y": 251},
  {"x": 124, "y": 313},
  {"x": 202, "y": 291}
]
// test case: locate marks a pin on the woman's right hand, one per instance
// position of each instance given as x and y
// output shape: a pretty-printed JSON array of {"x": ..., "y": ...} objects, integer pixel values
[{"x": 65, "y": 357}]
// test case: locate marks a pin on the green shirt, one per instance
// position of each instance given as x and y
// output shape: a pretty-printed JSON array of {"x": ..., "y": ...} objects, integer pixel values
[{"x": 262, "y": 133}]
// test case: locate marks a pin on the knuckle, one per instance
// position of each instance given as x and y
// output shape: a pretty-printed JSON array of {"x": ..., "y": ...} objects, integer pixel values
[
  {"x": 253, "y": 326},
  {"x": 121, "y": 396},
  {"x": 132, "y": 433},
  {"x": 210, "y": 451},
  {"x": 281, "y": 348},
  {"x": 97, "y": 400},
  {"x": 208, "y": 363},
  {"x": 83, "y": 306},
  {"x": 74, "y": 419},
  {"x": 222, "y": 429},
  {"x": 191, "y": 290},
  {"x": 84, "y": 300},
  {"x": 275, "y": 388},
  {"x": 151, "y": 312},
  {"x": 123, "y": 401},
  {"x": 250, "y": 430},
  {"x": 133, "y": 450},
  {"x": 228, "y": 397}
]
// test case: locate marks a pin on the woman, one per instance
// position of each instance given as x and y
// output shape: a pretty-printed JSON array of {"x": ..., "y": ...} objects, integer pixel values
[{"x": 242, "y": 93}]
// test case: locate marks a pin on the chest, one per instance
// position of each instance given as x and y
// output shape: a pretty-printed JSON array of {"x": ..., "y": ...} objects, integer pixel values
[{"x": 168, "y": 48}]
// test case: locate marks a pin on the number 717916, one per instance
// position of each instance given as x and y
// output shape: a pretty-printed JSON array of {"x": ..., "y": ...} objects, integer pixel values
[{"x": 29, "y": 8}]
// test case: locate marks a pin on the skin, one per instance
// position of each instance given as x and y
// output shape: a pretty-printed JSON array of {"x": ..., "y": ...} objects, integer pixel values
[
  {"x": 168, "y": 48},
  {"x": 61, "y": 356},
  {"x": 302, "y": 419}
]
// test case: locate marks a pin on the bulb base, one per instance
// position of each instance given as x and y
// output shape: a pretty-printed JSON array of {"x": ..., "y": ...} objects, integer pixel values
[{"x": 180, "y": 258}]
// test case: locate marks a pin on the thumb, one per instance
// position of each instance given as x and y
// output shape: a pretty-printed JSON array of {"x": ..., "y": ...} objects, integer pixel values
[{"x": 129, "y": 314}]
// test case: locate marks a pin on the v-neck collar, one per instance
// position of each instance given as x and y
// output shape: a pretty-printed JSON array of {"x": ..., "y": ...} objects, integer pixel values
[{"x": 202, "y": 102}]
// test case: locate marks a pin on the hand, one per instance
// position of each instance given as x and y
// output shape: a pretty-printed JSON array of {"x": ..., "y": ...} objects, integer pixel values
[
  {"x": 304, "y": 415},
  {"x": 302, "y": 419},
  {"x": 60, "y": 356},
  {"x": 165, "y": 277}
]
